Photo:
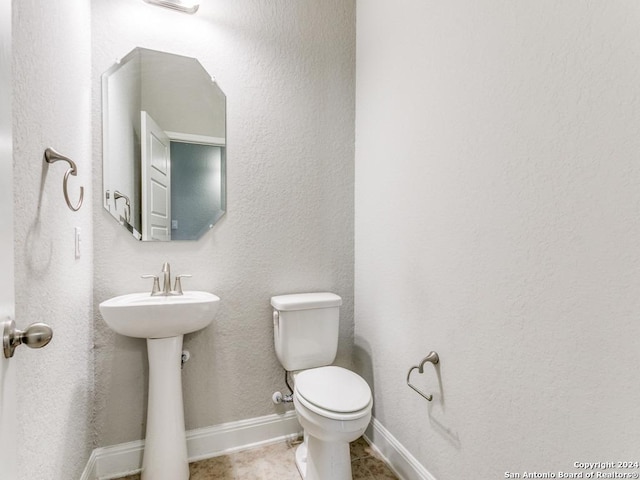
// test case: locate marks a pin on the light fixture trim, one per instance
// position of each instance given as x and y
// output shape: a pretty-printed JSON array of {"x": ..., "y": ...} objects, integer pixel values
[{"x": 184, "y": 6}]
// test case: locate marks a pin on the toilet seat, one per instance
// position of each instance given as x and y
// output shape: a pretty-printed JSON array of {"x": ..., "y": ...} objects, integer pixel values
[{"x": 333, "y": 392}]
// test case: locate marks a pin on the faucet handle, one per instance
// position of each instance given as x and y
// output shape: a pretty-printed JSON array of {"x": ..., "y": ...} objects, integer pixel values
[
  {"x": 177, "y": 288},
  {"x": 156, "y": 283}
]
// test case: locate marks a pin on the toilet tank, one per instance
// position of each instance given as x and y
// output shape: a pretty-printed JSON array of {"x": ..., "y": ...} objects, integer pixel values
[{"x": 305, "y": 329}]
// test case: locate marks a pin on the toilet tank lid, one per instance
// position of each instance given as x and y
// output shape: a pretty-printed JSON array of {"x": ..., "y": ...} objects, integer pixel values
[{"x": 305, "y": 301}]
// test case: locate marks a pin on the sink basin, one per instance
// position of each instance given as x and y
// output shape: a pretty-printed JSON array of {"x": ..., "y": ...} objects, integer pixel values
[{"x": 143, "y": 316}]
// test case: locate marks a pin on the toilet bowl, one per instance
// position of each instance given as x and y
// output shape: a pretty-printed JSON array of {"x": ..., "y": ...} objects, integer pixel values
[{"x": 333, "y": 404}]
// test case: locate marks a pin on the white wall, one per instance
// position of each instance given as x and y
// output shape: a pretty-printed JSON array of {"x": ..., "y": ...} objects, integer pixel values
[
  {"x": 497, "y": 222},
  {"x": 287, "y": 69},
  {"x": 51, "y": 107},
  {"x": 124, "y": 105},
  {"x": 177, "y": 96}
]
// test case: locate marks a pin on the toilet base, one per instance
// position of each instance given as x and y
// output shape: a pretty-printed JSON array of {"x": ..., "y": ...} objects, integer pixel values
[
  {"x": 320, "y": 460},
  {"x": 301, "y": 458}
]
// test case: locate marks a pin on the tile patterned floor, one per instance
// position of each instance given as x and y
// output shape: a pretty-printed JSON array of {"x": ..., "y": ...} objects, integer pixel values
[{"x": 276, "y": 462}]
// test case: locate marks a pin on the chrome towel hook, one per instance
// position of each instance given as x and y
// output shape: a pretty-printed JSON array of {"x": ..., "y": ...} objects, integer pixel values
[
  {"x": 431, "y": 358},
  {"x": 51, "y": 156}
]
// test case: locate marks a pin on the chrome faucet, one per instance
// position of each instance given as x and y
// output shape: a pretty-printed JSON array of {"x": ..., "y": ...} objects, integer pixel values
[{"x": 166, "y": 282}]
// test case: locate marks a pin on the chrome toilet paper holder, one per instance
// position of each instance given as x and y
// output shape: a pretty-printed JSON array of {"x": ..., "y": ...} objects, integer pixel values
[{"x": 431, "y": 358}]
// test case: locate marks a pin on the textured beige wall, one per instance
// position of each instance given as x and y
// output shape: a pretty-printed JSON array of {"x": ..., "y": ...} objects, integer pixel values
[
  {"x": 287, "y": 69},
  {"x": 52, "y": 107},
  {"x": 497, "y": 222}
]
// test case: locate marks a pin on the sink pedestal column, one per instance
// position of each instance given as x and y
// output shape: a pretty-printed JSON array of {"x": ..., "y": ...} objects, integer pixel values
[{"x": 165, "y": 452}]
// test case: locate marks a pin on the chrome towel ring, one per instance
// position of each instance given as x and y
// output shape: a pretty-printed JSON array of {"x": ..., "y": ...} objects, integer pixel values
[
  {"x": 431, "y": 358},
  {"x": 127, "y": 214},
  {"x": 51, "y": 156}
]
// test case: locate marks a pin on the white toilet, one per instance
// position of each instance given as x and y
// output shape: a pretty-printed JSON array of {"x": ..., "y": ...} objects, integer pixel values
[{"x": 333, "y": 404}]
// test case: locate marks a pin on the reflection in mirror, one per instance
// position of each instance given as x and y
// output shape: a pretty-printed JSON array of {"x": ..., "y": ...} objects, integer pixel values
[{"x": 164, "y": 146}]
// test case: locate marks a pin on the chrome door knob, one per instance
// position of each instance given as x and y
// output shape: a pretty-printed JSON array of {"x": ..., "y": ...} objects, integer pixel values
[{"x": 37, "y": 335}]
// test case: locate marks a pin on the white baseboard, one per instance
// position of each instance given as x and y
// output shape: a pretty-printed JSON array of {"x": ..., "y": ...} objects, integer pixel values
[
  {"x": 231, "y": 437},
  {"x": 403, "y": 464},
  {"x": 126, "y": 458}
]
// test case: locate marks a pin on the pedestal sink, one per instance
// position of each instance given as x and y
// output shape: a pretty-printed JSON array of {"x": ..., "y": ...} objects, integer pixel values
[{"x": 163, "y": 321}]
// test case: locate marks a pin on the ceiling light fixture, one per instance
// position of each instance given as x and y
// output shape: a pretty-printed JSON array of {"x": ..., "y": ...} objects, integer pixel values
[{"x": 186, "y": 6}]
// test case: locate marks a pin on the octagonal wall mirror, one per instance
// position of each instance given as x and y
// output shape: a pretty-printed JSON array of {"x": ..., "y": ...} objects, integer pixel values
[{"x": 164, "y": 146}]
